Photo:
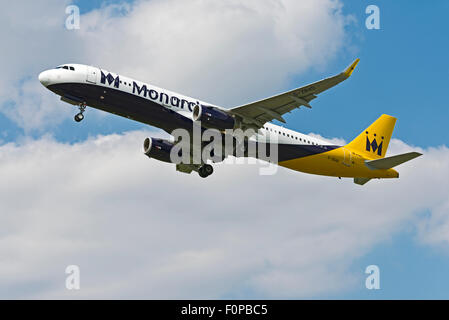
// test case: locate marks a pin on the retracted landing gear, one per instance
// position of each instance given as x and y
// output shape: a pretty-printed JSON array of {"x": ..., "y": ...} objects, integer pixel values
[
  {"x": 79, "y": 117},
  {"x": 205, "y": 170}
]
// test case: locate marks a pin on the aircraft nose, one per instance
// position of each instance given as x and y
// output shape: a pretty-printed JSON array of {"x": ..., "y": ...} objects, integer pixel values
[{"x": 44, "y": 77}]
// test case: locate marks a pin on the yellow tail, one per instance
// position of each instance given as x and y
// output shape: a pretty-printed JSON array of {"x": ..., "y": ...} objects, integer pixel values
[{"x": 373, "y": 142}]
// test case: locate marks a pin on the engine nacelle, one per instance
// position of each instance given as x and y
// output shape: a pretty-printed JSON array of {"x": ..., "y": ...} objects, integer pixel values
[
  {"x": 159, "y": 149},
  {"x": 212, "y": 118}
]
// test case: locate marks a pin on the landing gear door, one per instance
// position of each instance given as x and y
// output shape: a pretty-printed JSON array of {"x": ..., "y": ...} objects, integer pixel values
[{"x": 91, "y": 74}]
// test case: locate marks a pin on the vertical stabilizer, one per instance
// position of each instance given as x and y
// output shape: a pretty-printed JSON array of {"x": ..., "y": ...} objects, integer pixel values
[{"x": 373, "y": 142}]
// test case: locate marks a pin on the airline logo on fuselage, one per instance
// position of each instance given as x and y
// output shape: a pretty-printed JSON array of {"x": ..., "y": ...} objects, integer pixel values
[
  {"x": 110, "y": 79},
  {"x": 152, "y": 94},
  {"x": 373, "y": 145},
  {"x": 162, "y": 97}
]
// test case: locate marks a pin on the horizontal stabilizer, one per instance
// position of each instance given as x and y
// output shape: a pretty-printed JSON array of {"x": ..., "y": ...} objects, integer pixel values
[
  {"x": 391, "y": 162},
  {"x": 361, "y": 181}
]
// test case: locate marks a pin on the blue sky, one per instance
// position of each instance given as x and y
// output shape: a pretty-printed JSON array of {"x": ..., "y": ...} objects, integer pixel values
[
  {"x": 409, "y": 270},
  {"x": 404, "y": 72}
]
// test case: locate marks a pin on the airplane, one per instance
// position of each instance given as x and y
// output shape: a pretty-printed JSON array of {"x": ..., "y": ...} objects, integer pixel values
[{"x": 362, "y": 159}]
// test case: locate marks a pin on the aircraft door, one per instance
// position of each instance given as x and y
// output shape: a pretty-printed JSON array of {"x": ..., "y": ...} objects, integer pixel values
[{"x": 91, "y": 74}]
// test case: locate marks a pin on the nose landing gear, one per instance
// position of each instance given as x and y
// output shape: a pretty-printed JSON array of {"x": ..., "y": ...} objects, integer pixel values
[{"x": 79, "y": 117}]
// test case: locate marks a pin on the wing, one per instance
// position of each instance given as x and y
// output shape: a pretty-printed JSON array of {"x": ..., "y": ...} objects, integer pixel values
[{"x": 256, "y": 114}]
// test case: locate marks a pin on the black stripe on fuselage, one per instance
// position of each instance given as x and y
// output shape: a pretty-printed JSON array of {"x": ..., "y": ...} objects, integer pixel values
[
  {"x": 124, "y": 104},
  {"x": 137, "y": 108},
  {"x": 292, "y": 151},
  {"x": 295, "y": 151}
]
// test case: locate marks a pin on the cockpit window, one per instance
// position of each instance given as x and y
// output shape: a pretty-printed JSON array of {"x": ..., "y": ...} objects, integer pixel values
[{"x": 66, "y": 67}]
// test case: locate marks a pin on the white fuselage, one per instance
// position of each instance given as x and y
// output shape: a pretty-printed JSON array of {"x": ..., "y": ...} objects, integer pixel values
[{"x": 83, "y": 74}]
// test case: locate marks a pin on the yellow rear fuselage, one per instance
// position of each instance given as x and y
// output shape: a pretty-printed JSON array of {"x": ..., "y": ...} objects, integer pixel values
[{"x": 339, "y": 162}]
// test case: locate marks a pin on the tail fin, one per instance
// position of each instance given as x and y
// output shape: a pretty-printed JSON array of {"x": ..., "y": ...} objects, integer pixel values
[{"x": 373, "y": 142}]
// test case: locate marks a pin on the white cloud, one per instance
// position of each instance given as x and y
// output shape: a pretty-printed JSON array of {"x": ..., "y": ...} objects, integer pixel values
[
  {"x": 138, "y": 229},
  {"x": 33, "y": 39},
  {"x": 227, "y": 52},
  {"x": 30, "y": 107},
  {"x": 335, "y": 141}
]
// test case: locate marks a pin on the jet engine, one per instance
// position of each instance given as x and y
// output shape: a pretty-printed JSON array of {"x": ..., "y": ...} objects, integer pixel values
[
  {"x": 213, "y": 118},
  {"x": 159, "y": 149}
]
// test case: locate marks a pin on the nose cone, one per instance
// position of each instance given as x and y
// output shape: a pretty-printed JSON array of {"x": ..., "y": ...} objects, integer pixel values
[{"x": 44, "y": 78}]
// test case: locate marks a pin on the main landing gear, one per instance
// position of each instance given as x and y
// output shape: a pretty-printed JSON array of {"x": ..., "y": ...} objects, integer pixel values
[
  {"x": 79, "y": 117},
  {"x": 205, "y": 170}
]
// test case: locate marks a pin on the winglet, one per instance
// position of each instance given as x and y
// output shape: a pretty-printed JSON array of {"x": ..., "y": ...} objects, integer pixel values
[{"x": 351, "y": 68}]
